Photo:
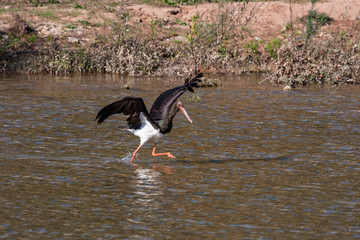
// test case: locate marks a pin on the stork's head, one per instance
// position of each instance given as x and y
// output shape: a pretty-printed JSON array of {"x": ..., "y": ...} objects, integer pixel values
[{"x": 180, "y": 106}]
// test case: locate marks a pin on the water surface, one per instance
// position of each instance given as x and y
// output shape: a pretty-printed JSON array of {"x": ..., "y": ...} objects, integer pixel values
[{"x": 258, "y": 162}]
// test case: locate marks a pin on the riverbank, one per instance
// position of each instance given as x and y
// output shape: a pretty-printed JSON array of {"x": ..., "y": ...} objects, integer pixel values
[{"x": 297, "y": 43}]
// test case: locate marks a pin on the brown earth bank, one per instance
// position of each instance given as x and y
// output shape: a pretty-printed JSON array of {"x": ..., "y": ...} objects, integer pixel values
[{"x": 135, "y": 38}]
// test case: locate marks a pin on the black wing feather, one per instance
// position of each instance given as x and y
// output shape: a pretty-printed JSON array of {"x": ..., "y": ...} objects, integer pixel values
[
  {"x": 162, "y": 105},
  {"x": 129, "y": 106}
]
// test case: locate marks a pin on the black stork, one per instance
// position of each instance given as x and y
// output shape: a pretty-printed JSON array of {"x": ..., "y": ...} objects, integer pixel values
[{"x": 156, "y": 123}]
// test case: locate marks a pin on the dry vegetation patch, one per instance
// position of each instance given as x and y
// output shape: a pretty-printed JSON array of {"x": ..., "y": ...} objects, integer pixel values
[{"x": 125, "y": 37}]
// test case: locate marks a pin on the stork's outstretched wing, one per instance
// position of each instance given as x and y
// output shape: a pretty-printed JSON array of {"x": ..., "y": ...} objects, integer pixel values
[
  {"x": 129, "y": 106},
  {"x": 162, "y": 105}
]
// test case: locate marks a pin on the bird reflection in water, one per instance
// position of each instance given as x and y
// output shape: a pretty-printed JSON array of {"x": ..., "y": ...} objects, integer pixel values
[{"x": 148, "y": 185}]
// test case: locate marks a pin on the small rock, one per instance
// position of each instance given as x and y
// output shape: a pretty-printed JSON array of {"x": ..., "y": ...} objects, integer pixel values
[
  {"x": 73, "y": 40},
  {"x": 287, "y": 88},
  {"x": 179, "y": 39},
  {"x": 47, "y": 30}
]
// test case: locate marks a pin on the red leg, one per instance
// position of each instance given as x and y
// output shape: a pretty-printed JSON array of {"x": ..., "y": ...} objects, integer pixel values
[
  {"x": 134, "y": 154},
  {"x": 159, "y": 154}
]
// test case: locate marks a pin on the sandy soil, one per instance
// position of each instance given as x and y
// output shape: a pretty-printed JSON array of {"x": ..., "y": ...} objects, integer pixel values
[{"x": 270, "y": 18}]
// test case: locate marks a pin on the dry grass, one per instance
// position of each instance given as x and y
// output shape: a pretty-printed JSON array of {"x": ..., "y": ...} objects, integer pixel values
[
  {"x": 330, "y": 59},
  {"x": 215, "y": 44}
]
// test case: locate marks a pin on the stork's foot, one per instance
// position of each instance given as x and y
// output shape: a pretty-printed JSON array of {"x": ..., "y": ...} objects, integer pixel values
[
  {"x": 160, "y": 154},
  {"x": 170, "y": 155}
]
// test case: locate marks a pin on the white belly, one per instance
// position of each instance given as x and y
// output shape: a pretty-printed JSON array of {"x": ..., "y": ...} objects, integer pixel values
[{"x": 147, "y": 131}]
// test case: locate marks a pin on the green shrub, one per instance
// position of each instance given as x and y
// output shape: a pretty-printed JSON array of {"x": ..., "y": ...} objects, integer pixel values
[
  {"x": 31, "y": 38},
  {"x": 314, "y": 20},
  {"x": 84, "y": 23},
  {"x": 252, "y": 46},
  {"x": 79, "y": 6},
  {"x": 70, "y": 26},
  {"x": 272, "y": 47}
]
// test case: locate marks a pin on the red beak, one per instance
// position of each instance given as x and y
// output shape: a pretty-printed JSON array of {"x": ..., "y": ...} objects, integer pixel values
[{"x": 185, "y": 113}]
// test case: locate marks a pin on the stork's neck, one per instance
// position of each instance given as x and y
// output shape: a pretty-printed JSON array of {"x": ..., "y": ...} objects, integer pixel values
[{"x": 165, "y": 125}]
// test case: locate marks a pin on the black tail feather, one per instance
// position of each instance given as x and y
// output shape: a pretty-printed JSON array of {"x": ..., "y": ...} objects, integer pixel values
[{"x": 194, "y": 82}]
